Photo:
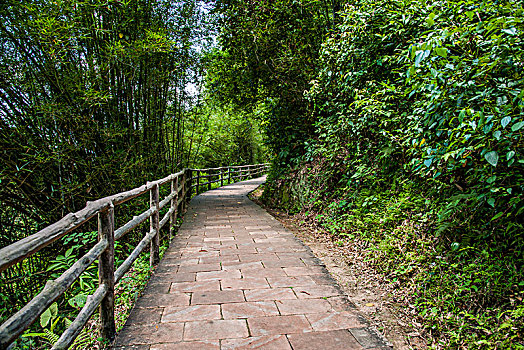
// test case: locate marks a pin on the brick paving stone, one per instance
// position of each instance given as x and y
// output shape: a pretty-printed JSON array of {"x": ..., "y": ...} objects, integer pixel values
[
  {"x": 182, "y": 277},
  {"x": 257, "y": 257},
  {"x": 240, "y": 250},
  {"x": 186, "y": 287},
  {"x": 217, "y": 297},
  {"x": 145, "y": 315},
  {"x": 242, "y": 266},
  {"x": 264, "y": 227},
  {"x": 366, "y": 338},
  {"x": 272, "y": 325},
  {"x": 218, "y": 275},
  {"x": 249, "y": 309},
  {"x": 235, "y": 278},
  {"x": 290, "y": 281},
  {"x": 285, "y": 262},
  {"x": 200, "y": 268},
  {"x": 322, "y": 278},
  {"x": 167, "y": 268},
  {"x": 273, "y": 342},
  {"x": 181, "y": 262},
  {"x": 201, "y": 254},
  {"x": 266, "y": 272},
  {"x": 149, "y": 334},
  {"x": 269, "y": 294},
  {"x": 333, "y": 321},
  {"x": 191, "y": 313},
  {"x": 163, "y": 300},
  {"x": 339, "y": 340},
  {"x": 220, "y": 259},
  {"x": 302, "y": 271},
  {"x": 217, "y": 329},
  {"x": 157, "y": 287},
  {"x": 316, "y": 291},
  {"x": 131, "y": 347},
  {"x": 188, "y": 345},
  {"x": 244, "y": 283},
  {"x": 301, "y": 306},
  {"x": 341, "y": 304}
]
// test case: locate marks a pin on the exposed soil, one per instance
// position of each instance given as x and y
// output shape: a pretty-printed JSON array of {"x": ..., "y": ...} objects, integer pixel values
[{"x": 365, "y": 287}]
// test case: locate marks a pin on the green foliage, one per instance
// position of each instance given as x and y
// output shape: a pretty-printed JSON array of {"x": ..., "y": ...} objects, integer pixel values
[
  {"x": 223, "y": 136},
  {"x": 418, "y": 154},
  {"x": 266, "y": 68}
]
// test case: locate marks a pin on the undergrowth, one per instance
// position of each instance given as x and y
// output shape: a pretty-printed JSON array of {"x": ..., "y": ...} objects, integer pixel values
[
  {"x": 467, "y": 293},
  {"x": 43, "y": 334}
]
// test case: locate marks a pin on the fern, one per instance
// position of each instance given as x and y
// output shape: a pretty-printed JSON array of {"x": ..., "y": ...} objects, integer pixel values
[{"x": 50, "y": 336}]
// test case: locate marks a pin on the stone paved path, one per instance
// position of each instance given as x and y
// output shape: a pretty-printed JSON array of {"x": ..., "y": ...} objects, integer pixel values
[{"x": 235, "y": 278}]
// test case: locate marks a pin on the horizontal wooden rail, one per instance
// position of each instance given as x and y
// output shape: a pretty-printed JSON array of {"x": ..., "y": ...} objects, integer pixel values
[{"x": 184, "y": 185}]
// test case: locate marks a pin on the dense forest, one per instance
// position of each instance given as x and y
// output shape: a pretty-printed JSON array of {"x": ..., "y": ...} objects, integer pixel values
[
  {"x": 396, "y": 127},
  {"x": 98, "y": 97}
]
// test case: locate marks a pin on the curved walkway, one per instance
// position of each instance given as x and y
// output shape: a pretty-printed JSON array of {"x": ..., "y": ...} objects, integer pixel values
[{"x": 235, "y": 278}]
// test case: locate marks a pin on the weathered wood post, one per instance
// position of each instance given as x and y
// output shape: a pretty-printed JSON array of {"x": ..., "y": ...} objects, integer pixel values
[
  {"x": 154, "y": 223},
  {"x": 187, "y": 187},
  {"x": 221, "y": 177},
  {"x": 174, "y": 208},
  {"x": 106, "y": 272},
  {"x": 228, "y": 175},
  {"x": 198, "y": 182},
  {"x": 209, "y": 179}
]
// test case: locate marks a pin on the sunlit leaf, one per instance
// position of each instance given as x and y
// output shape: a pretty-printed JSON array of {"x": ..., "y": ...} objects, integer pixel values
[{"x": 492, "y": 157}]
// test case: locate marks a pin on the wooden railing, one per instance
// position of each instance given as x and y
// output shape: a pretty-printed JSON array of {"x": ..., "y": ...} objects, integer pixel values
[{"x": 183, "y": 185}]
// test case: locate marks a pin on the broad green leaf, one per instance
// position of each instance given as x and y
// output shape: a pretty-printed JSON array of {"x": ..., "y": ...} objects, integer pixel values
[
  {"x": 510, "y": 155},
  {"x": 455, "y": 246},
  {"x": 517, "y": 126},
  {"x": 45, "y": 317},
  {"x": 491, "y": 201},
  {"x": 428, "y": 162},
  {"x": 442, "y": 51},
  {"x": 54, "y": 310},
  {"x": 492, "y": 157},
  {"x": 505, "y": 121},
  {"x": 419, "y": 56},
  {"x": 491, "y": 179},
  {"x": 78, "y": 300},
  {"x": 510, "y": 31},
  {"x": 497, "y": 216},
  {"x": 497, "y": 134},
  {"x": 69, "y": 251}
]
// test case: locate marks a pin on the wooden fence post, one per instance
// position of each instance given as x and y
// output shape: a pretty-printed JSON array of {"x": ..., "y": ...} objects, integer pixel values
[
  {"x": 154, "y": 258},
  {"x": 198, "y": 182},
  {"x": 228, "y": 175},
  {"x": 221, "y": 177},
  {"x": 174, "y": 208},
  {"x": 106, "y": 271},
  {"x": 188, "y": 187},
  {"x": 209, "y": 179}
]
